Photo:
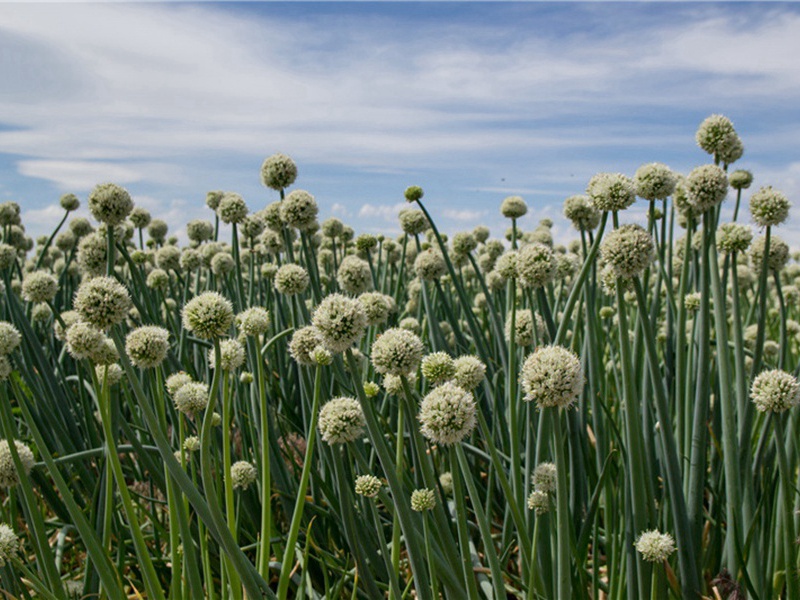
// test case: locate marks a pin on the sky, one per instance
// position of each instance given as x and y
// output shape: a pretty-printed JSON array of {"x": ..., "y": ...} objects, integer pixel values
[{"x": 472, "y": 101}]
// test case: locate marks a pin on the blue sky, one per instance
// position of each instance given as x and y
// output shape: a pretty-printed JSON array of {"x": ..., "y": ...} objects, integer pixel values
[{"x": 472, "y": 101}]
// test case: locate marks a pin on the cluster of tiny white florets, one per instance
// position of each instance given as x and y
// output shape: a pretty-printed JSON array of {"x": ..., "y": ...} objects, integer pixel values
[
  {"x": 654, "y": 181},
  {"x": 278, "y": 172},
  {"x": 397, "y": 352},
  {"x": 423, "y": 499},
  {"x": 102, "y": 302},
  {"x": 108, "y": 374},
  {"x": 10, "y": 338},
  {"x": 84, "y": 340},
  {"x": 536, "y": 265},
  {"x": 231, "y": 354},
  {"x": 9, "y": 544},
  {"x": 291, "y": 279},
  {"x": 580, "y": 211},
  {"x": 447, "y": 414},
  {"x": 513, "y": 207},
  {"x": 253, "y": 321},
  {"x": 191, "y": 397},
  {"x": 110, "y": 204},
  {"x": 368, "y": 486},
  {"x": 176, "y": 381},
  {"x": 413, "y": 221},
  {"x": 340, "y": 322},
  {"x": 523, "y": 327},
  {"x": 775, "y": 391},
  {"x": 147, "y": 346},
  {"x": 299, "y": 209},
  {"x": 39, "y": 286},
  {"x": 243, "y": 474},
  {"x": 470, "y": 372},
  {"x": 9, "y": 476},
  {"x": 544, "y": 477},
  {"x": 303, "y": 344},
  {"x": 376, "y": 306},
  {"x": 655, "y": 546},
  {"x": 438, "y": 367},
  {"x": 717, "y": 136},
  {"x": 611, "y": 191},
  {"x": 628, "y": 250},
  {"x": 740, "y": 179},
  {"x": 706, "y": 186},
  {"x": 354, "y": 276},
  {"x": 552, "y": 377},
  {"x": 208, "y": 316},
  {"x": 734, "y": 237},
  {"x": 341, "y": 420},
  {"x": 232, "y": 208},
  {"x": 777, "y": 257},
  {"x": 769, "y": 207},
  {"x": 430, "y": 265}
]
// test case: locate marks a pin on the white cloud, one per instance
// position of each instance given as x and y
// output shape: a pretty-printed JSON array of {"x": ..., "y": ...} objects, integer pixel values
[
  {"x": 464, "y": 214},
  {"x": 381, "y": 211}
]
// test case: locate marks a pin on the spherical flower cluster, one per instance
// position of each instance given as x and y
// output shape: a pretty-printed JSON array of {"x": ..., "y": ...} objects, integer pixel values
[
  {"x": 397, "y": 352},
  {"x": 775, "y": 391},
  {"x": 506, "y": 265},
  {"x": 377, "y": 306},
  {"x": 341, "y": 420},
  {"x": 740, "y": 179},
  {"x": 628, "y": 250},
  {"x": 199, "y": 230},
  {"x": 706, "y": 186},
  {"x": 191, "y": 443},
  {"x": 191, "y": 398},
  {"x": 354, "y": 276},
  {"x": 176, "y": 381},
  {"x": 539, "y": 502},
  {"x": 769, "y": 207},
  {"x": 291, "y": 279},
  {"x": 147, "y": 346},
  {"x": 584, "y": 216},
  {"x": 108, "y": 374},
  {"x": 536, "y": 265},
  {"x": 299, "y": 209},
  {"x": 552, "y": 377},
  {"x": 413, "y": 221},
  {"x": 470, "y": 371},
  {"x": 513, "y": 207},
  {"x": 776, "y": 259},
  {"x": 734, "y": 237},
  {"x": 232, "y": 208},
  {"x": 39, "y": 286},
  {"x": 231, "y": 355},
  {"x": 157, "y": 230},
  {"x": 446, "y": 481},
  {"x": 9, "y": 477},
  {"x": 9, "y": 544},
  {"x": 654, "y": 181},
  {"x": 332, "y": 227},
  {"x": 208, "y": 315},
  {"x": 213, "y": 198},
  {"x": 544, "y": 477},
  {"x": 340, "y": 321},
  {"x": 102, "y": 302},
  {"x": 222, "y": 264},
  {"x": 253, "y": 321},
  {"x": 243, "y": 474},
  {"x": 69, "y": 202},
  {"x": 157, "y": 279},
  {"x": 611, "y": 191},
  {"x": 464, "y": 243},
  {"x": 394, "y": 384},
  {"x": 169, "y": 258},
  {"x": 302, "y": 345},
  {"x": 413, "y": 193},
  {"x": 278, "y": 172},
  {"x": 368, "y": 486},
  {"x": 110, "y": 204},
  {"x": 430, "y": 265},
  {"x": 438, "y": 367},
  {"x": 10, "y": 338},
  {"x": 655, "y": 546},
  {"x": 83, "y": 341},
  {"x": 140, "y": 217},
  {"x": 692, "y": 302},
  {"x": 447, "y": 414},
  {"x": 423, "y": 499},
  {"x": 716, "y": 135}
]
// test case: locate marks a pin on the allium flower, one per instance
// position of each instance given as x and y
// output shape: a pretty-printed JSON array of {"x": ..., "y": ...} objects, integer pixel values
[
  {"x": 734, "y": 237},
  {"x": 302, "y": 345},
  {"x": 769, "y": 207},
  {"x": 147, "y": 346},
  {"x": 340, "y": 321},
  {"x": 513, "y": 207},
  {"x": 243, "y": 474},
  {"x": 446, "y": 481},
  {"x": 423, "y": 499},
  {"x": 430, "y": 265},
  {"x": 552, "y": 377},
  {"x": 9, "y": 338},
  {"x": 169, "y": 258},
  {"x": 341, "y": 420},
  {"x": 654, "y": 181},
  {"x": 69, "y": 202},
  {"x": 377, "y": 306},
  {"x": 413, "y": 193},
  {"x": 8, "y": 256},
  {"x": 322, "y": 356},
  {"x": 506, "y": 265},
  {"x": 354, "y": 276},
  {"x": 102, "y": 302},
  {"x": 110, "y": 204},
  {"x": 655, "y": 546},
  {"x": 291, "y": 279},
  {"x": 413, "y": 221},
  {"x": 692, "y": 301},
  {"x": 394, "y": 385},
  {"x": 157, "y": 230},
  {"x": 231, "y": 355},
  {"x": 299, "y": 209},
  {"x": 470, "y": 371},
  {"x": 740, "y": 179},
  {"x": 176, "y": 381},
  {"x": 775, "y": 391},
  {"x": 438, "y": 367},
  {"x": 191, "y": 398},
  {"x": 213, "y": 198},
  {"x": 157, "y": 279},
  {"x": 140, "y": 217},
  {"x": 716, "y": 135},
  {"x": 5, "y": 367},
  {"x": 278, "y": 172},
  {"x": 536, "y": 265},
  {"x": 397, "y": 352},
  {"x": 39, "y": 286},
  {"x": 83, "y": 340},
  {"x": 371, "y": 389},
  {"x": 199, "y": 230},
  {"x": 9, "y": 544},
  {"x": 464, "y": 242},
  {"x": 368, "y": 486},
  {"x": 447, "y": 414},
  {"x": 544, "y": 477},
  {"x": 628, "y": 250},
  {"x": 232, "y": 208},
  {"x": 332, "y": 227},
  {"x": 776, "y": 259},
  {"x": 108, "y": 374},
  {"x": 253, "y": 321},
  {"x": 611, "y": 191},
  {"x": 9, "y": 477},
  {"x": 579, "y": 210},
  {"x": 191, "y": 443},
  {"x": 208, "y": 315},
  {"x": 706, "y": 186},
  {"x": 539, "y": 502},
  {"x": 222, "y": 263}
]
